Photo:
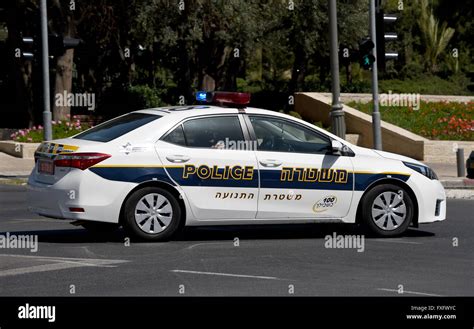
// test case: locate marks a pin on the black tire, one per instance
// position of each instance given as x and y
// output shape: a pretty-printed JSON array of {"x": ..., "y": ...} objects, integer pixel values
[
  {"x": 470, "y": 173},
  {"x": 100, "y": 227},
  {"x": 163, "y": 233},
  {"x": 383, "y": 223}
]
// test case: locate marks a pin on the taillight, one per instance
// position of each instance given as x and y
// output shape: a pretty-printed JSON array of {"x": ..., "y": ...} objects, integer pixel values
[{"x": 79, "y": 160}]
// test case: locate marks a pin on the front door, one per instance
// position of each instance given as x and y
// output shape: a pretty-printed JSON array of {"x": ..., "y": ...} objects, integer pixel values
[{"x": 299, "y": 177}]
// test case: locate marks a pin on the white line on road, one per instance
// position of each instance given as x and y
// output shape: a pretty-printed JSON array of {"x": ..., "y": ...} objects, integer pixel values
[
  {"x": 59, "y": 264},
  {"x": 206, "y": 244},
  {"x": 410, "y": 292},
  {"x": 92, "y": 261},
  {"x": 395, "y": 241},
  {"x": 228, "y": 274},
  {"x": 38, "y": 268}
]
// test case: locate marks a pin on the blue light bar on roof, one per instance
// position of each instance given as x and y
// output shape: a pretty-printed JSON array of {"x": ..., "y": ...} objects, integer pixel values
[
  {"x": 223, "y": 97},
  {"x": 201, "y": 96}
]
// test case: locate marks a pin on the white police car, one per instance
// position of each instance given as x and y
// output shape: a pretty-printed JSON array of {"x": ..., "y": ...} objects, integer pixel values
[{"x": 154, "y": 171}]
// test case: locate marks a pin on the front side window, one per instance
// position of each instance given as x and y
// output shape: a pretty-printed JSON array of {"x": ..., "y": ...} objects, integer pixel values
[
  {"x": 117, "y": 127},
  {"x": 280, "y": 135}
]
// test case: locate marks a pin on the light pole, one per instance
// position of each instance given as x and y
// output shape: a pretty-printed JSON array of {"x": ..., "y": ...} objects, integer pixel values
[
  {"x": 377, "y": 130},
  {"x": 337, "y": 113},
  {"x": 48, "y": 132}
]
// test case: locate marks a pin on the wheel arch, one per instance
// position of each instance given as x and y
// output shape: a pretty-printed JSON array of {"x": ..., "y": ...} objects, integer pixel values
[
  {"x": 393, "y": 181},
  {"x": 156, "y": 183}
]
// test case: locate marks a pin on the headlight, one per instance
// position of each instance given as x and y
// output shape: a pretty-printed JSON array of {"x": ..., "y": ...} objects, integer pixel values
[{"x": 424, "y": 170}]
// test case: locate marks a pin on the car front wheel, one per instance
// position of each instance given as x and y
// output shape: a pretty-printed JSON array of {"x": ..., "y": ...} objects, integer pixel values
[
  {"x": 152, "y": 214},
  {"x": 387, "y": 210}
]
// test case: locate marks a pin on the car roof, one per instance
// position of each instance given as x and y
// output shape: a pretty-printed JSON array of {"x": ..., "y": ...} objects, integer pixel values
[
  {"x": 185, "y": 111},
  {"x": 190, "y": 110}
]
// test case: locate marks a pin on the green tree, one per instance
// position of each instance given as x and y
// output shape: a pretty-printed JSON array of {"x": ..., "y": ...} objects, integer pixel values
[{"x": 436, "y": 37}]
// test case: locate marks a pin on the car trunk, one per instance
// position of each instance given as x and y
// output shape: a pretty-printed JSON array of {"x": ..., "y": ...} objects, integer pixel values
[{"x": 45, "y": 170}]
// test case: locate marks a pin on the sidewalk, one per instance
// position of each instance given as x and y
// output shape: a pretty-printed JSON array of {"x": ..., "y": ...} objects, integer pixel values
[{"x": 11, "y": 166}]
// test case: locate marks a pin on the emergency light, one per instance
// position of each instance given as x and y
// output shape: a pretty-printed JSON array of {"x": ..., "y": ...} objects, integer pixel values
[{"x": 223, "y": 97}]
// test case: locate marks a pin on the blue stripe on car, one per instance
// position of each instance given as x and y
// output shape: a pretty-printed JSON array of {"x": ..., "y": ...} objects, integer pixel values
[{"x": 268, "y": 178}]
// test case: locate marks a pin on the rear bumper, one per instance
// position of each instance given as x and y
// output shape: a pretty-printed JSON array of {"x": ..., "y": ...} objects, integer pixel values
[
  {"x": 45, "y": 200},
  {"x": 101, "y": 199}
]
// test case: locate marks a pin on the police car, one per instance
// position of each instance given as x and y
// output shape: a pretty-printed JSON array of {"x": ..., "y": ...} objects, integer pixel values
[{"x": 154, "y": 171}]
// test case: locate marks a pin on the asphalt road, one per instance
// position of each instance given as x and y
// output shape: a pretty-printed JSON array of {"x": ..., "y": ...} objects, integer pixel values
[{"x": 281, "y": 260}]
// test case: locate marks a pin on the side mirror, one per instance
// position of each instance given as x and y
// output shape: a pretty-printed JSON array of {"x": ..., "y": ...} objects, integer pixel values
[{"x": 337, "y": 146}]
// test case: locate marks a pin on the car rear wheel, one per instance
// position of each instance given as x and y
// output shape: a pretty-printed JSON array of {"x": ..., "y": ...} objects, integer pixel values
[
  {"x": 152, "y": 214},
  {"x": 387, "y": 210}
]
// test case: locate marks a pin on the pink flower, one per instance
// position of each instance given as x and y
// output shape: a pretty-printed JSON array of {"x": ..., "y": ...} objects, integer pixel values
[
  {"x": 40, "y": 127},
  {"x": 29, "y": 139},
  {"x": 68, "y": 115},
  {"x": 22, "y": 133},
  {"x": 67, "y": 123},
  {"x": 34, "y": 128},
  {"x": 12, "y": 135},
  {"x": 53, "y": 122}
]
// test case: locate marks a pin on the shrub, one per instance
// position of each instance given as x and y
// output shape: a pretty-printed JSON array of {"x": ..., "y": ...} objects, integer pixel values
[
  {"x": 440, "y": 120},
  {"x": 61, "y": 129}
]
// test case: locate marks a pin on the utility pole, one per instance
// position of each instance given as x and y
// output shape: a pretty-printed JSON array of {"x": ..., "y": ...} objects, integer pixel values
[
  {"x": 377, "y": 131},
  {"x": 48, "y": 132},
  {"x": 337, "y": 113}
]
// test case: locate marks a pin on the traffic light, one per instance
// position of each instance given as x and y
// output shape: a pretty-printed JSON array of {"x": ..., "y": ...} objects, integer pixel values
[
  {"x": 28, "y": 43},
  {"x": 381, "y": 22},
  {"x": 59, "y": 44},
  {"x": 366, "y": 59}
]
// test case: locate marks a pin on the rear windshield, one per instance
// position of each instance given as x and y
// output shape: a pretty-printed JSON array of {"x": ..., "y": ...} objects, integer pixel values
[{"x": 117, "y": 127}]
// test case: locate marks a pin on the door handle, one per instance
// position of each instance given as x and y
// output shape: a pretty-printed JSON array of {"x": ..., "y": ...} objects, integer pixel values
[
  {"x": 270, "y": 163},
  {"x": 177, "y": 158}
]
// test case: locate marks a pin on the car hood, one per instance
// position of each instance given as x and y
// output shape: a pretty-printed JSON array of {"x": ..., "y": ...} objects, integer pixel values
[{"x": 394, "y": 156}]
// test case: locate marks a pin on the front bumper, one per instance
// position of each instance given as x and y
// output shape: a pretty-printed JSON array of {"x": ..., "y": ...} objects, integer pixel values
[{"x": 431, "y": 199}]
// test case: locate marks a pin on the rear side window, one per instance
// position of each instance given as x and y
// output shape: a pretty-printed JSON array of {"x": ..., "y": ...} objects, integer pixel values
[
  {"x": 117, "y": 127},
  {"x": 208, "y": 132},
  {"x": 212, "y": 132},
  {"x": 176, "y": 136}
]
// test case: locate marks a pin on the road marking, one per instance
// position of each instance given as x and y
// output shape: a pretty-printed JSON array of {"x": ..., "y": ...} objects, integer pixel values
[
  {"x": 20, "y": 220},
  {"x": 410, "y": 292},
  {"x": 395, "y": 241},
  {"x": 38, "y": 268},
  {"x": 228, "y": 274},
  {"x": 59, "y": 263},
  {"x": 205, "y": 244}
]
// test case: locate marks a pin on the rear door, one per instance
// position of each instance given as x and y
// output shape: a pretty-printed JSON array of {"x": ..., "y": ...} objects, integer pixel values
[
  {"x": 208, "y": 158},
  {"x": 299, "y": 177}
]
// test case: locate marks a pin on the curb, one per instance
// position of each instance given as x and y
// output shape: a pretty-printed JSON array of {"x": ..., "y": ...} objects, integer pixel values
[
  {"x": 466, "y": 194},
  {"x": 459, "y": 183}
]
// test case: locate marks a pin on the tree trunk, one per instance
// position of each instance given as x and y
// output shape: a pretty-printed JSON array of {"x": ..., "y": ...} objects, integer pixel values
[
  {"x": 63, "y": 85},
  {"x": 299, "y": 70}
]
